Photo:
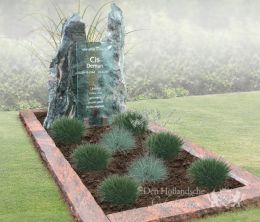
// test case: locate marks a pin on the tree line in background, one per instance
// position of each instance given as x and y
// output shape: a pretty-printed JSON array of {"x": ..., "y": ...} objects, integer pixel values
[
  {"x": 195, "y": 61},
  {"x": 187, "y": 72},
  {"x": 180, "y": 52},
  {"x": 196, "y": 73}
]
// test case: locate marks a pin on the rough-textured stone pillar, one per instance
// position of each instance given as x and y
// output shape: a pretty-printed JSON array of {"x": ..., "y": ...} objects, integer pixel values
[
  {"x": 70, "y": 85},
  {"x": 115, "y": 83},
  {"x": 62, "y": 78}
]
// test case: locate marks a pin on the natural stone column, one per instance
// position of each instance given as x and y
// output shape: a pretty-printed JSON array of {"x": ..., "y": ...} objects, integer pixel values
[
  {"x": 68, "y": 83},
  {"x": 115, "y": 36},
  {"x": 62, "y": 78}
]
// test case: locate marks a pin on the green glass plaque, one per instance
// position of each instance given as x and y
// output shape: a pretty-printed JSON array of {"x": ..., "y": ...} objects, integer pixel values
[{"x": 93, "y": 65}]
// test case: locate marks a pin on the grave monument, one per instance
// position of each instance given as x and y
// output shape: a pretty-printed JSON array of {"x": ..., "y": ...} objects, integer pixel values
[{"x": 86, "y": 79}]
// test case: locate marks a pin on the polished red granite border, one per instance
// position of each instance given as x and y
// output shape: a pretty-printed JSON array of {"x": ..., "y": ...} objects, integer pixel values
[
  {"x": 85, "y": 208},
  {"x": 82, "y": 203}
]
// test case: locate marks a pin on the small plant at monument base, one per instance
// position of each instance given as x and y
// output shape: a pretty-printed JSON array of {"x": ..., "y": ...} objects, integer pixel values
[
  {"x": 147, "y": 169},
  {"x": 118, "y": 139},
  {"x": 132, "y": 121},
  {"x": 209, "y": 173},
  {"x": 118, "y": 190},
  {"x": 90, "y": 157},
  {"x": 67, "y": 131},
  {"x": 164, "y": 145}
]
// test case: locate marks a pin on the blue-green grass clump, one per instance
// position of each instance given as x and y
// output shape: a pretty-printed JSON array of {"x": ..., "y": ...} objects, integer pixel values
[
  {"x": 67, "y": 131},
  {"x": 118, "y": 190},
  {"x": 118, "y": 139},
  {"x": 147, "y": 169},
  {"x": 90, "y": 157},
  {"x": 132, "y": 121},
  {"x": 164, "y": 145},
  {"x": 209, "y": 173}
]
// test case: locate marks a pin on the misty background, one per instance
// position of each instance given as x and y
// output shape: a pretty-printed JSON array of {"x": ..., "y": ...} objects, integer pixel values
[{"x": 191, "y": 47}]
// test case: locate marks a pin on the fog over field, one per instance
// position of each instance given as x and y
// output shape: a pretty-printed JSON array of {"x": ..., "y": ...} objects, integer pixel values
[{"x": 182, "y": 47}]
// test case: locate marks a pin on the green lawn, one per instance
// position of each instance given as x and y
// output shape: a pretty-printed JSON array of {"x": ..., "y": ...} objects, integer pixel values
[
  {"x": 27, "y": 191},
  {"x": 227, "y": 124}
]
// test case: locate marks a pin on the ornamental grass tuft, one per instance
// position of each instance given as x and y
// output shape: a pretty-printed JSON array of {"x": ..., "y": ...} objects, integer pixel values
[
  {"x": 209, "y": 173},
  {"x": 164, "y": 145},
  {"x": 118, "y": 190},
  {"x": 147, "y": 169},
  {"x": 90, "y": 157},
  {"x": 67, "y": 131},
  {"x": 132, "y": 121},
  {"x": 118, "y": 139}
]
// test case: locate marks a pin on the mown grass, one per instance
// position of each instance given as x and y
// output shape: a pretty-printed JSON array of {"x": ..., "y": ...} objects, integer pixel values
[
  {"x": 27, "y": 191},
  {"x": 227, "y": 124}
]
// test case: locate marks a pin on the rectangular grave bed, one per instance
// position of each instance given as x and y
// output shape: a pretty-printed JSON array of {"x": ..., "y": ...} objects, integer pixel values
[{"x": 175, "y": 198}]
